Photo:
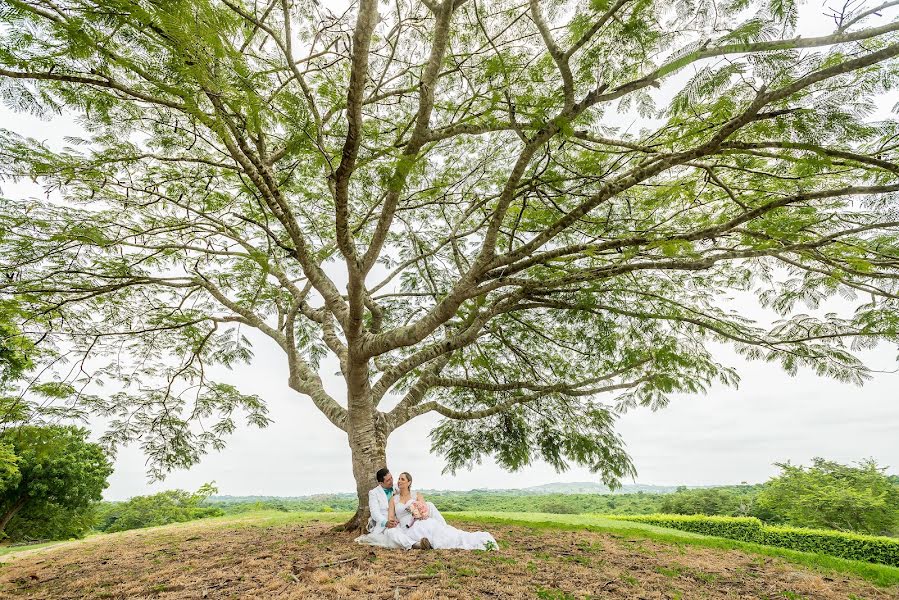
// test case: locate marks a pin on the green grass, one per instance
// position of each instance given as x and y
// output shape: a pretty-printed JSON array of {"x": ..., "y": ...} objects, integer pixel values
[
  {"x": 573, "y": 521},
  {"x": 880, "y": 575},
  {"x": 272, "y": 518},
  {"x": 264, "y": 518},
  {"x": 11, "y": 549}
]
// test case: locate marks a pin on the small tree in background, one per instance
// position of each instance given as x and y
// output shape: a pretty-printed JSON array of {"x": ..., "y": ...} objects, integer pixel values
[
  {"x": 830, "y": 495},
  {"x": 170, "y": 506},
  {"x": 61, "y": 475}
]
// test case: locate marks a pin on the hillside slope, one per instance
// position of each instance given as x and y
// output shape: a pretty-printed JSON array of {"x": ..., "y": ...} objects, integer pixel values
[{"x": 277, "y": 555}]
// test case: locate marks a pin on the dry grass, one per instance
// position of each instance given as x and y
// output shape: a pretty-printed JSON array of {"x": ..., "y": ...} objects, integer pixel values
[{"x": 226, "y": 559}]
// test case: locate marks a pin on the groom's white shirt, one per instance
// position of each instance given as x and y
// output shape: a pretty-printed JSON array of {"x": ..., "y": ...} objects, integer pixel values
[{"x": 377, "y": 506}]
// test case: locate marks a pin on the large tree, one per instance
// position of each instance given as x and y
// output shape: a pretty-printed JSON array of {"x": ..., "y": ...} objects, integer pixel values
[{"x": 493, "y": 211}]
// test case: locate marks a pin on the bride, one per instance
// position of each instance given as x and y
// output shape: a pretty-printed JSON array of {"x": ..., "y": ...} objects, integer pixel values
[{"x": 430, "y": 532}]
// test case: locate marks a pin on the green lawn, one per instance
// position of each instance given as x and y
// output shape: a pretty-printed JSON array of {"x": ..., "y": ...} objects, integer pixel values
[{"x": 10, "y": 549}]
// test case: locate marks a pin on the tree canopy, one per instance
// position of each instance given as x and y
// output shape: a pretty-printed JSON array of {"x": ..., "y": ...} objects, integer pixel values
[
  {"x": 61, "y": 476},
  {"x": 14, "y": 346},
  {"x": 830, "y": 495},
  {"x": 522, "y": 217}
]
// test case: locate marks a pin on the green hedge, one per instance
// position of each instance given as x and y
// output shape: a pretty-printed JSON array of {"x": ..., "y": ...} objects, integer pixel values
[
  {"x": 746, "y": 529},
  {"x": 866, "y": 548}
]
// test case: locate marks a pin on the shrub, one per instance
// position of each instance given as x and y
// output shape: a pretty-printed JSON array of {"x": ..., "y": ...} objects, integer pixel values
[
  {"x": 171, "y": 506},
  {"x": 829, "y": 495},
  {"x": 558, "y": 508},
  {"x": 732, "y": 502},
  {"x": 746, "y": 529},
  {"x": 853, "y": 546}
]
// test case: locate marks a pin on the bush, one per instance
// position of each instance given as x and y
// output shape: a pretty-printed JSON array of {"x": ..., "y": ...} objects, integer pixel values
[
  {"x": 171, "y": 506},
  {"x": 746, "y": 529},
  {"x": 731, "y": 502},
  {"x": 829, "y": 495},
  {"x": 52, "y": 522},
  {"x": 853, "y": 546},
  {"x": 558, "y": 508}
]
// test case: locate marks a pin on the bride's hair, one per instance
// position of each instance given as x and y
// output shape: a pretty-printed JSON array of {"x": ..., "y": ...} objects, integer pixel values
[{"x": 408, "y": 477}]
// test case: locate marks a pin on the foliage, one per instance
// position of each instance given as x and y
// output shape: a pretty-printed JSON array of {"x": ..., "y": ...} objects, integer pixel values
[
  {"x": 447, "y": 209},
  {"x": 876, "y": 549},
  {"x": 559, "y": 508},
  {"x": 53, "y": 522},
  {"x": 832, "y": 496},
  {"x": 746, "y": 529},
  {"x": 730, "y": 501},
  {"x": 61, "y": 475},
  {"x": 852, "y": 546},
  {"x": 15, "y": 347},
  {"x": 9, "y": 469},
  {"x": 170, "y": 506}
]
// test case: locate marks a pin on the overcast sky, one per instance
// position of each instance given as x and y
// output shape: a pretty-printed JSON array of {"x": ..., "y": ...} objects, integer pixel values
[{"x": 725, "y": 437}]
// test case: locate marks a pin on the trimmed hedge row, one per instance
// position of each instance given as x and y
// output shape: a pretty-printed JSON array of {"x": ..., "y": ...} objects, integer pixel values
[
  {"x": 866, "y": 548},
  {"x": 746, "y": 529}
]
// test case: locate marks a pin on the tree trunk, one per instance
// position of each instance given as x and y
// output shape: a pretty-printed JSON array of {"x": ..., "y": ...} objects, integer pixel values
[
  {"x": 367, "y": 459},
  {"x": 12, "y": 511},
  {"x": 367, "y": 443}
]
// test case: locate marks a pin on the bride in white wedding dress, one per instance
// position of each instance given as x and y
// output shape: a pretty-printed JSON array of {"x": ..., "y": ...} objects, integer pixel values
[{"x": 431, "y": 532}]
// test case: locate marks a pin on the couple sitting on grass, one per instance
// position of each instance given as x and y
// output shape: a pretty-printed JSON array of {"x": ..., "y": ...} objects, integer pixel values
[{"x": 401, "y": 519}]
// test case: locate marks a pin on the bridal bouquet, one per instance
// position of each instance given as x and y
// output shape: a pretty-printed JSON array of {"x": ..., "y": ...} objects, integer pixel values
[{"x": 419, "y": 511}]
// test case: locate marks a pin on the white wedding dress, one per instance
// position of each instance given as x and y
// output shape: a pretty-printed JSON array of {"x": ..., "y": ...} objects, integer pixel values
[{"x": 441, "y": 535}]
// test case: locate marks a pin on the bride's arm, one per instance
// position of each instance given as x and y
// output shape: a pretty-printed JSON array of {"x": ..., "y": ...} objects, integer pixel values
[
  {"x": 419, "y": 496},
  {"x": 391, "y": 510}
]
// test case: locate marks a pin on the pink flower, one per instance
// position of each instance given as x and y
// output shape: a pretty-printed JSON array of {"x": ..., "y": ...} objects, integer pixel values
[{"x": 419, "y": 511}]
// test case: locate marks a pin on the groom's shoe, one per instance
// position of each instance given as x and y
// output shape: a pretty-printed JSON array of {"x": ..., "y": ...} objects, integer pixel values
[{"x": 422, "y": 544}]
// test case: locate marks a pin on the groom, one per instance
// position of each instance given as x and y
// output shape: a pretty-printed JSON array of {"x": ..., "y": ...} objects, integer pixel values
[{"x": 378, "y": 502}]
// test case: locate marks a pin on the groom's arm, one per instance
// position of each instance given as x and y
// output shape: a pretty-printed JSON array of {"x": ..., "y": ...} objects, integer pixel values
[{"x": 374, "y": 507}]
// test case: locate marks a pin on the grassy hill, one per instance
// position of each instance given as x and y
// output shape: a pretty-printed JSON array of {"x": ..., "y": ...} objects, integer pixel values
[{"x": 294, "y": 555}]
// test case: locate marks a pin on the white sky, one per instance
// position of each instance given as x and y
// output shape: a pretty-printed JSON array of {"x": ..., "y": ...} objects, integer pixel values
[{"x": 727, "y": 436}]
